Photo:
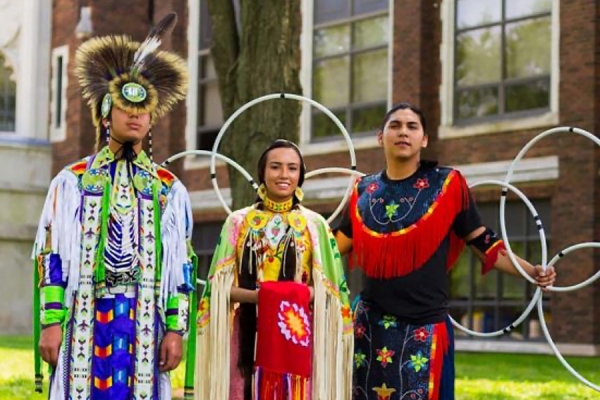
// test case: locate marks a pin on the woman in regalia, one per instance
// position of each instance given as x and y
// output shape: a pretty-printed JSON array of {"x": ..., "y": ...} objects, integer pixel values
[{"x": 274, "y": 320}]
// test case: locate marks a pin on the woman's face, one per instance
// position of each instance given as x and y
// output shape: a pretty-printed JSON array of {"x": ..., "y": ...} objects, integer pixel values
[{"x": 282, "y": 173}]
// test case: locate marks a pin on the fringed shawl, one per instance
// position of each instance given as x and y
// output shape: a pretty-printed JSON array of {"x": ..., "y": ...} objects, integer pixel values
[{"x": 332, "y": 321}]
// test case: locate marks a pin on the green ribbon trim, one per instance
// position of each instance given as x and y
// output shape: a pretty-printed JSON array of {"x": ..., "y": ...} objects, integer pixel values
[
  {"x": 190, "y": 363},
  {"x": 100, "y": 269},
  {"x": 172, "y": 321},
  {"x": 37, "y": 329},
  {"x": 53, "y": 294},
  {"x": 157, "y": 235}
]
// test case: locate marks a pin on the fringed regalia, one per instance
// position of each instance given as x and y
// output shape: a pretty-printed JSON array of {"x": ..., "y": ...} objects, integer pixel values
[
  {"x": 252, "y": 250},
  {"x": 406, "y": 236},
  {"x": 114, "y": 263},
  {"x": 115, "y": 270}
]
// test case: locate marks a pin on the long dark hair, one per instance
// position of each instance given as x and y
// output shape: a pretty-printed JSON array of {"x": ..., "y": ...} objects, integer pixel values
[
  {"x": 248, "y": 277},
  {"x": 404, "y": 106}
]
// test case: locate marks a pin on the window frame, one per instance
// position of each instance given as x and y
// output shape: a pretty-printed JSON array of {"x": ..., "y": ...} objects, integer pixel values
[
  {"x": 59, "y": 133},
  {"x": 324, "y": 145},
  {"x": 450, "y": 127}
]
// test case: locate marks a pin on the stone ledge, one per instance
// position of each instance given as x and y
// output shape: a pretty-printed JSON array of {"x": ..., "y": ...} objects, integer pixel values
[{"x": 13, "y": 233}]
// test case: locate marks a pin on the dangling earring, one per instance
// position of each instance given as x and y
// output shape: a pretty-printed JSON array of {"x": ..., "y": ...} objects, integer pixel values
[
  {"x": 262, "y": 192},
  {"x": 150, "y": 144},
  {"x": 108, "y": 132},
  {"x": 299, "y": 193}
]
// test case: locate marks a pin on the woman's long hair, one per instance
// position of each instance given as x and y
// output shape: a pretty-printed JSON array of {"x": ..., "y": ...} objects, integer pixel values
[{"x": 248, "y": 277}]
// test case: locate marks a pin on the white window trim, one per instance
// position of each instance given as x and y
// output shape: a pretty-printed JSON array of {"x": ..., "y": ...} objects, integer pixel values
[
  {"x": 535, "y": 169},
  {"x": 306, "y": 44},
  {"x": 446, "y": 129},
  {"x": 59, "y": 134},
  {"x": 193, "y": 36}
]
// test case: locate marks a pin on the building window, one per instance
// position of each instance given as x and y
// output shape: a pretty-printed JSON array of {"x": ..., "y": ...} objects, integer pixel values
[
  {"x": 351, "y": 40},
  {"x": 8, "y": 96},
  {"x": 491, "y": 302},
  {"x": 209, "y": 112},
  {"x": 502, "y": 59},
  {"x": 58, "y": 106}
]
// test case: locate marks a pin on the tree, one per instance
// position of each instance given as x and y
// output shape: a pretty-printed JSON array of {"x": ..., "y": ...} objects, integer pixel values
[{"x": 255, "y": 55}]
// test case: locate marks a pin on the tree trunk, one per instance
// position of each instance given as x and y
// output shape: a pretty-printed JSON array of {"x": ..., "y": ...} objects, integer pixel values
[{"x": 259, "y": 56}]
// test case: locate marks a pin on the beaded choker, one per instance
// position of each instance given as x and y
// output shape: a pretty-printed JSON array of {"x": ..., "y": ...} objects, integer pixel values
[{"x": 278, "y": 207}]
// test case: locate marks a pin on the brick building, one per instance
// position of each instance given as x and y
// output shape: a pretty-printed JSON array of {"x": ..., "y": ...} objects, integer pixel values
[{"x": 489, "y": 76}]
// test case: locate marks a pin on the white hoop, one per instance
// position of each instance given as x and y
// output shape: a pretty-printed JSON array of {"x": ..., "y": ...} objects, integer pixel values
[
  {"x": 213, "y": 175},
  {"x": 346, "y": 194},
  {"x": 557, "y": 352},
  {"x": 563, "y": 253},
  {"x": 509, "y": 174},
  {"x": 537, "y": 295},
  {"x": 221, "y": 157}
]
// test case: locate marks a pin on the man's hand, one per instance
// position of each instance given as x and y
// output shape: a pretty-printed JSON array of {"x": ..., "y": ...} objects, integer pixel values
[
  {"x": 544, "y": 278},
  {"x": 49, "y": 345},
  {"x": 171, "y": 350}
]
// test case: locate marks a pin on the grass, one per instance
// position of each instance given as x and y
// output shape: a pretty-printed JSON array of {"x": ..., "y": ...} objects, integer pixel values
[
  {"x": 493, "y": 376},
  {"x": 486, "y": 376}
]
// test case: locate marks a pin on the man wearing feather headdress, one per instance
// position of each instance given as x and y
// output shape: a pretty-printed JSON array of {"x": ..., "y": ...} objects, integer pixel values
[{"x": 114, "y": 272}]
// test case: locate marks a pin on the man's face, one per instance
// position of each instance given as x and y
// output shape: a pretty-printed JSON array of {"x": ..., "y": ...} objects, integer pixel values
[
  {"x": 129, "y": 127},
  {"x": 402, "y": 137}
]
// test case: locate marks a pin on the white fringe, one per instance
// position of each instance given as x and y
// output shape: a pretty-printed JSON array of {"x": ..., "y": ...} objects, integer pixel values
[
  {"x": 61, "y": 213},
  {"x": 332, "y": 350},
  {"x": 176, "y": 229},
  {"x": 213, "y": 343}
]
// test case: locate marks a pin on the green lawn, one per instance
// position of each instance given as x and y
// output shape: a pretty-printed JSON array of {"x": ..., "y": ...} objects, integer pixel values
[{"x": 479, "y": 376}]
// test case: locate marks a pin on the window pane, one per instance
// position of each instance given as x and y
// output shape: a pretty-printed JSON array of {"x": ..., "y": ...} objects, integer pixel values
[
  {"x": 205, "y": 26},
  {"x": 371, "y": 32},
  {"x": 369, "y": 76},
  {"x": 8, "y": 94},
  {"x": 212, "y": 113},
  {"x": 330, "y": 10},
  {"x": 485, "y": 285},
  {"x": 330, "y": 82},
  {"x": 513, "y": 287},
  {"x": 489, "y": 214},
  {"x": 367, "y": 119},
  {"x": 522, "y": 8},
  {"x": 205, "y": 140},
  {"x": 478, "y": 57},
  {"x": 477, "y": 12},
  {"x": 528, "y": 48},
  {"x": 459, "y": 276},
  {"x": 477, "y": 102},
  {"x": 334, "y": 40},
  {"x": 207, "y": 68},
  {"x": 323, "y": 126},
  {"x": 534, "y": 251},
  {"x": 209, "y": 99},
  {"x": 528, "y": 96},
  {"x": 515, "y": 213},
  {"x": 368, "y": 6}
]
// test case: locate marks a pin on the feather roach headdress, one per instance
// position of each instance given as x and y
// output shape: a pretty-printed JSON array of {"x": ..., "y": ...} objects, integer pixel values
[{"x": 136, "y": 77}]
